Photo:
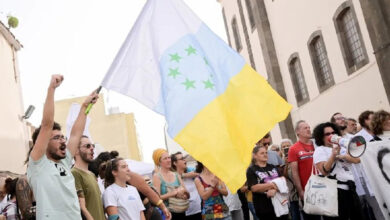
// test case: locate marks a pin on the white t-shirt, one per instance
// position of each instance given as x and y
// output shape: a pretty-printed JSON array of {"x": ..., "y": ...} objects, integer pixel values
[
  {"x": 232, "y": 201},
  {"x": 100, "y": 184},
  {"x": 126, "y": 199},
  {"x": 54, "y": 188},
  {"x": 342, "y": 170},
  {"x": 195, "y": 200}
]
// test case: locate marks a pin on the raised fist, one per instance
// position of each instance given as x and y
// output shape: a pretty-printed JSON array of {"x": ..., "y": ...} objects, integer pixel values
[{"x": 56, "y": 80}]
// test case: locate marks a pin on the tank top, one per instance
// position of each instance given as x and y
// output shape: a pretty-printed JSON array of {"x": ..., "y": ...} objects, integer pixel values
[{"x": 214, "y": 207}]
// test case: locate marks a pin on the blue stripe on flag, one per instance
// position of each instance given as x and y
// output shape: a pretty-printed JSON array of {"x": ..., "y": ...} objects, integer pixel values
[{"x": 194, "y": 71}]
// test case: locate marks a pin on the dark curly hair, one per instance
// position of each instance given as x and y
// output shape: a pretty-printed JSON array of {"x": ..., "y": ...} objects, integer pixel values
[
  {"x": 377, "y": 122},
  {"x": 174, "y": 159},
  {"x": 318, "y": 132},
  {"x": 10, "y": 186},
  {"x": 34, "y": 137},
  {"x": 94, "y": 166},
  {"x": 363, "y": 117}
]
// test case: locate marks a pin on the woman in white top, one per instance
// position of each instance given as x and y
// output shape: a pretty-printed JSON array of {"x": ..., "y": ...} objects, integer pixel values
[
  {"x": 121, "y": 201},
  {"x": 180, "y": 166},
  {"x": 335, "y": 162}
]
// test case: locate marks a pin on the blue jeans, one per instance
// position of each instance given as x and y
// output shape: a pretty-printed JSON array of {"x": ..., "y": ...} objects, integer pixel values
[
  {"x": 252, "y": 209},
  {"x": 294, "y": 210}
]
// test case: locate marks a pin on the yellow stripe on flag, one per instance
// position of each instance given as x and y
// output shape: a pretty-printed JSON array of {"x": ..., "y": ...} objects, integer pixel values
[{"x": 223, "y": 134}]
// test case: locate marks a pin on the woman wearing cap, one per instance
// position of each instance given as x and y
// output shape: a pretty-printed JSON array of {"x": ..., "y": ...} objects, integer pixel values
[{"x": 168, "y": 183}]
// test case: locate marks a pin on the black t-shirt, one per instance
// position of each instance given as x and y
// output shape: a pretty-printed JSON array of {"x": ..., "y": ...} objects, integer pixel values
[{"x": 256, "y": 175}]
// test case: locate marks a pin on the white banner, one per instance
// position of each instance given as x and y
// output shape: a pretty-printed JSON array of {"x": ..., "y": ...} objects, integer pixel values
[
  {"x": 376, "y": 163},
  {"x": 70, "y": 120}
]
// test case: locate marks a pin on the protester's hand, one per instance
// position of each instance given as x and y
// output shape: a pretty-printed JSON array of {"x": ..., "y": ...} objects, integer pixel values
[
  {"x": 166, "y": 212},
  {"x": 272, "y": 185},
  {"x": 180, "y": 193},
  {"x": 244, "y": 189},
  {"x": 301, "y": 194},
  {"x": 336, "y": 150},
  {"x": 92, "y": 98},
  {"x": 173, "y": 193},
  {"x": 271, "y": 193},
  {"x": 214, "y": 181},
  {"x": 56, "y": 81}
]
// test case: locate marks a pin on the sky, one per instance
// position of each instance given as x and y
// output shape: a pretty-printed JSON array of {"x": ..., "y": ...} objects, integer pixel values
[{"x": 80, "y": 39}]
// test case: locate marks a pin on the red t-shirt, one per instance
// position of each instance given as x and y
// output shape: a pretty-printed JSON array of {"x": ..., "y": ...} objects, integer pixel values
[{"x": 303, "y": 154}]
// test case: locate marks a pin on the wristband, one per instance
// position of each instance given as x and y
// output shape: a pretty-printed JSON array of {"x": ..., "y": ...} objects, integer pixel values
[{"x": 159, "y": 202}]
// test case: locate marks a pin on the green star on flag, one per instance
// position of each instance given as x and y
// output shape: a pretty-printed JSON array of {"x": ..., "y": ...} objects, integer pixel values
[
  {"x": 190, "y": 50},
  {"x": 208, "y": 84},
  {"x": 189, "y": 84},
  {"x": 174, "y": 72},
  {"x": 175, "y": 57}
]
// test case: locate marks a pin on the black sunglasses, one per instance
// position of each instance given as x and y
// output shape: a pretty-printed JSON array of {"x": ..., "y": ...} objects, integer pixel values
[{"x": 89, "y": 145}]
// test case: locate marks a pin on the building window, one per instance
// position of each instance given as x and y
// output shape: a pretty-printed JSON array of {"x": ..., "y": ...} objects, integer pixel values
[
  {"x": 350, "y": 37},
  {"x": 250, "y": 13},
  {"x": 298, "y": 80},
  {"x": 319, "y": 59},
  {"x": 236, "y": 35},
  {"x": 226, "y": 26}
]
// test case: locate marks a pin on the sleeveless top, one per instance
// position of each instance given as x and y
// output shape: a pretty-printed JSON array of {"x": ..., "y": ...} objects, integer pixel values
[
  {"x": 164, "y": 184},
  {"x": 214, "y": 207}
]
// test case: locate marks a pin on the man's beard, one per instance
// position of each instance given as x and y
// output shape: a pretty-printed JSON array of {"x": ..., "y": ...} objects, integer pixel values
[
  {"x": 56, "y": 156},
  {"x": 84, "y": 157},
  {"x": 342, "y": 128}
]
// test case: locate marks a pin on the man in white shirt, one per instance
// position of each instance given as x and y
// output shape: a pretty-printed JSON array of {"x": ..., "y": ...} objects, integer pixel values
[
  {"x": 365, "y": 119},
  {"x": 363, "y": 186}
]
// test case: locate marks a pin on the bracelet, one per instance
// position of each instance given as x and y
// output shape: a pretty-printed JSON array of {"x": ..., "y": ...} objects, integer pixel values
[{"x": 159, "y": 202}]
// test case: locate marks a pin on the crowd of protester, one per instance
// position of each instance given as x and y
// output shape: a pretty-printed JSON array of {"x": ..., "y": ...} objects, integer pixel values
[{"x": 65, "y": 181}]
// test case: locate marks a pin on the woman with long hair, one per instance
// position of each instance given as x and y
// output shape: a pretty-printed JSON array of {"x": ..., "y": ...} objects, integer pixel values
[
  {"x": 169, "y": 185},
  {"x": 121, "y": 201},
  {"x": 180, "y": 166},
  {"x": 259, "y": 178},
  {"x": 335, "y": 162},
  {"x": 10, "y": 211},
  {"x": 211, "y": 189}
]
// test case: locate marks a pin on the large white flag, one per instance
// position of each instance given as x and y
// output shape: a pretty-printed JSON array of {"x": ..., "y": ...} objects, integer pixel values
[{"x": 376, "y": 163}]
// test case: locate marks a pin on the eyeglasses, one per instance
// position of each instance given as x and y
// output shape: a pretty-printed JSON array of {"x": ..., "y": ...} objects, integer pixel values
[
  {"x": 89, "y": 146},
  {"x": 266, "y": 144},
  {"x": 329, "y": 133},
  {"x": 339, "y": 118},
  {"x": 180, "y": 158},
  {"x": 59, "y": 137}
]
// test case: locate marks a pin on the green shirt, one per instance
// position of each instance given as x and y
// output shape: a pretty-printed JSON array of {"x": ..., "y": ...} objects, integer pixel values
[{"x": 87, "y": 187}]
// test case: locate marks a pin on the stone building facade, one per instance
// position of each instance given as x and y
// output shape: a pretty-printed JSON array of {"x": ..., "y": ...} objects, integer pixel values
[{"x": 322, "y": 56}]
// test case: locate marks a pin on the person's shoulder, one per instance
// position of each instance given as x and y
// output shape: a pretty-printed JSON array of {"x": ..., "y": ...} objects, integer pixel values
[{"x": 252, "y": 168}]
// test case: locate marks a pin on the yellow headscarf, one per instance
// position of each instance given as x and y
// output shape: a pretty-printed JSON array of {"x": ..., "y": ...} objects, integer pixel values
[{"x": 157, "y": 155}]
